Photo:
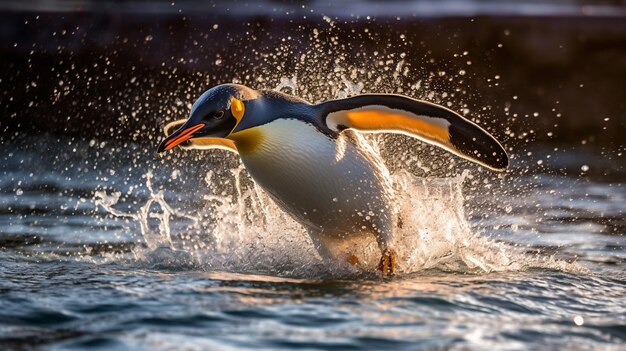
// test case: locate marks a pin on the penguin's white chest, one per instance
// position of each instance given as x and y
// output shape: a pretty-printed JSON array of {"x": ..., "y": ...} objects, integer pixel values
[{"x": 334, "y": 194}]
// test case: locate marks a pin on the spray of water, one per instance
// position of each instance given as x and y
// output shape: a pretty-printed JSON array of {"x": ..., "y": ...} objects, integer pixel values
[
  {"x": 155, "y": 241},
  {"x": 240, "y": 229},
  {"x": 244, "y": 231}
]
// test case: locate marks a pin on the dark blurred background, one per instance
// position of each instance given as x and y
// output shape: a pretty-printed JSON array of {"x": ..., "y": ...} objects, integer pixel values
[{"x": 529, "y": 70}]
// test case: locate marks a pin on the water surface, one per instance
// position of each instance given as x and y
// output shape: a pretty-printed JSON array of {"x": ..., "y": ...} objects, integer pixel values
[{"x": 535, "y": 260}]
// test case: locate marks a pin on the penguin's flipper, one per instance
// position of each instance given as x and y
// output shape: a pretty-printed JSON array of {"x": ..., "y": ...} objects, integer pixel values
[
  {"x": 428, "y": 122},
  {"x": 205, "y": 143}
]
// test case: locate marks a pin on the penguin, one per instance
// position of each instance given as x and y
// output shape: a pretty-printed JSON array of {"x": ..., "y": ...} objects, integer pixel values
[{"x": 303, "y": 157}]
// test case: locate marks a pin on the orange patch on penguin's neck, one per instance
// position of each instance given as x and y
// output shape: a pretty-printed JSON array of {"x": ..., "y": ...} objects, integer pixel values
[{"x": 237, "y": 108}]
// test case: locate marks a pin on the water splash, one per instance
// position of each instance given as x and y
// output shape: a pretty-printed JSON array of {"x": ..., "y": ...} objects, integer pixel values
[
  {"x": 289, "y": 83},
  {"x": 246, "y": 232},
  {"x": 157, "y": 241},
  {"x": 436, "y": 233},
  {"x": 240, "y": 229},
  {"x": 351, "y": 89}
]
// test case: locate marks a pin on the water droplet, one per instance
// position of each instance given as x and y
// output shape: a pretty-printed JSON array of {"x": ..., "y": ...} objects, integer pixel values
[{"x": 579, "y": 320}]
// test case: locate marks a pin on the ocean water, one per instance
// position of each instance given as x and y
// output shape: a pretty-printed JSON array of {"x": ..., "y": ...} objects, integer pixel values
[{"x": 104, "y": 245}]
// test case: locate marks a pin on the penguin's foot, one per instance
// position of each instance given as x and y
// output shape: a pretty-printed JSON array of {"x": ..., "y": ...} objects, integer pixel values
[
  {"x": 353, "y": 260},
  {"x": 388, "y": 263}
]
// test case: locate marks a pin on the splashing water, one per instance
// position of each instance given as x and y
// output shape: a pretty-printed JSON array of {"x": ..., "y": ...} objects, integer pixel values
[
  {"x": 157, "y": 240},
  {"x": 290, "y": 83},
  {"x": 242, "y": 230},
  {"x": 351, "y": 88}
]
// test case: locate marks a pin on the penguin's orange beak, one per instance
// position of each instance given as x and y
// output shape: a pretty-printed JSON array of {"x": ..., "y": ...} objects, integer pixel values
[{"x": 179, "y": 136}]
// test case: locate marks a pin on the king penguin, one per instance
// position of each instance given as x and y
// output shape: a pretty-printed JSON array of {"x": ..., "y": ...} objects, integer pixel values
[{"x": 331, "y": 184}]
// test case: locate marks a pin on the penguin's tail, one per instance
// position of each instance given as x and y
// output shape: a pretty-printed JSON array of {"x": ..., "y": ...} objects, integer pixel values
[{"x": 434, "y": 124}]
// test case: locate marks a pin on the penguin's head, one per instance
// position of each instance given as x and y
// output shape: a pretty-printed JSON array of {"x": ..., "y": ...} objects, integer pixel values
[{"x": 215, "y": 114}]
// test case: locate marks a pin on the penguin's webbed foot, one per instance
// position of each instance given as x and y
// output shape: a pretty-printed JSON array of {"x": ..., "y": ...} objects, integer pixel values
[
  {"x": 388, "y": 263},
  {"x": 353, "y": 260}
]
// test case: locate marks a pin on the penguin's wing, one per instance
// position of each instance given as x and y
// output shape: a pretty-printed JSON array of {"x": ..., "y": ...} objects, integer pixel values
[
  {"x": 200, "y": 143},
  {"x": 428, "y": 122}
]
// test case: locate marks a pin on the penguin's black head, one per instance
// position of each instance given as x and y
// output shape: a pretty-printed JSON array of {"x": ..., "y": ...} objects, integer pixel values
[{"x": 215, "y": 114}]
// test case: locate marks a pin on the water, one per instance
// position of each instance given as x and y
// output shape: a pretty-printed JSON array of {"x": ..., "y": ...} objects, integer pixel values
[{"x": 105, "y": 245}]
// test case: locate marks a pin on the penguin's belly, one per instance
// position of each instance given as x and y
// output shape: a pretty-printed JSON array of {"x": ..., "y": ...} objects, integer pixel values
[{"x": 329, "y": 193}]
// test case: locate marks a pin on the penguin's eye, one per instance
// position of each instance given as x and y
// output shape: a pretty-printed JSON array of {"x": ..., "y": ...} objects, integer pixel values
[{"x": 218, "y": 114}]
